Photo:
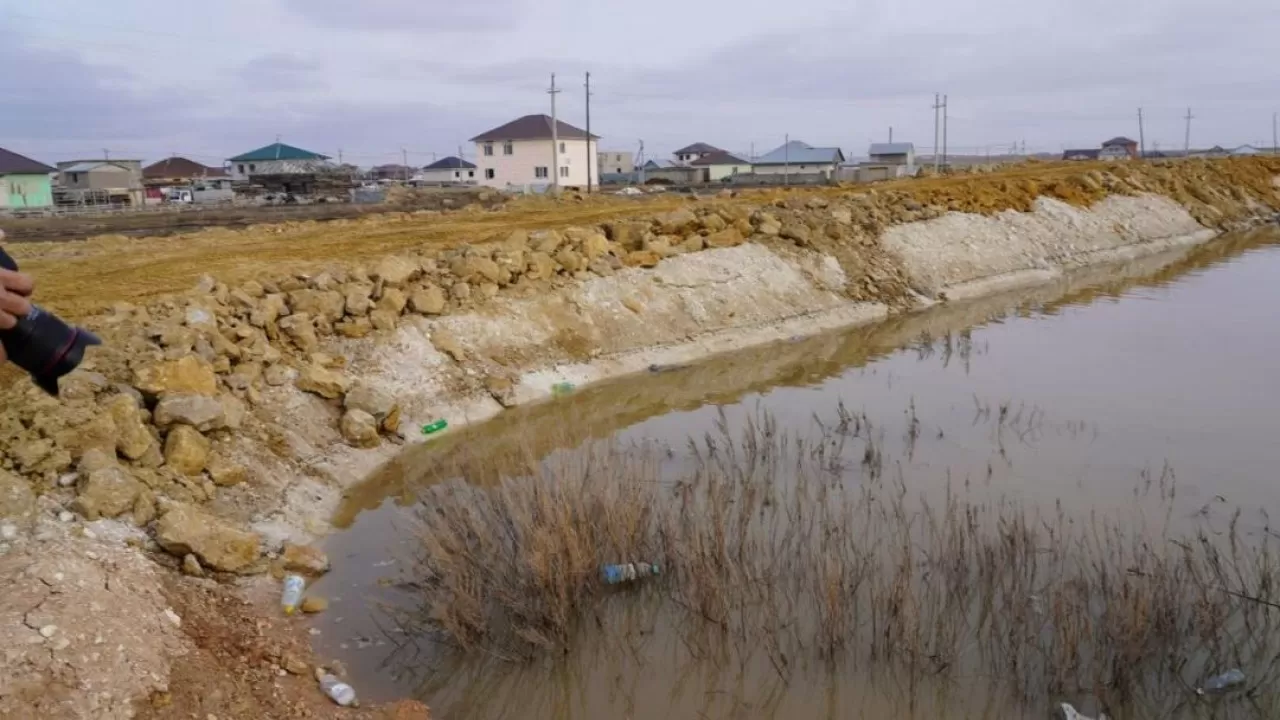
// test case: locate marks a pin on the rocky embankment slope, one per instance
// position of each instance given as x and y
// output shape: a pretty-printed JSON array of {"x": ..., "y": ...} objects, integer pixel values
[{"x": 218, "y": 424}]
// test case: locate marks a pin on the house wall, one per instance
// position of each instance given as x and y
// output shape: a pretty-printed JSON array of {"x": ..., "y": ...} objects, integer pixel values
[
  {"x": 245, "y": 170},
  {"x": 105, "y": 177},
  {"x": 449, "y": 175},
  {"x": 616, "y": 162},
  {"x": 518, "y": 168},
  {"x": 716, "y": 173},
  {"x": 25, "y": 191},
  {"x": 795, "y": 169},
  {"x": 895, "y": 159}
]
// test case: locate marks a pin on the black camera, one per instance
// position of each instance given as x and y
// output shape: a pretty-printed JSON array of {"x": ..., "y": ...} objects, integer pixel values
[{"x": 42, "y": 344}]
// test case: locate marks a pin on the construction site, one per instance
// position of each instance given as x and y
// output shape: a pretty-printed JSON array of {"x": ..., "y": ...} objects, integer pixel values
[{"x": 259, "y": 369}]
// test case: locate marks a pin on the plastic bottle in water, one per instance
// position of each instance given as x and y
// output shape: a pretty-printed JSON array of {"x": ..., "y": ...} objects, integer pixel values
[
  {"x": 291, "y": 596},
  {"x": 1228, "y": 680},
  {"x": 338, "y": 691},
  {"x": 627, "y": 572}
]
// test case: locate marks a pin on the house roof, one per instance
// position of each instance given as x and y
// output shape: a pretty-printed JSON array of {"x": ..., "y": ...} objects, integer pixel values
[
  {"x": 797, "y": 152},
  {"x": 278, "y": 151},
  {"x": 11, "y": 163},
  {"x": 698, "y": 147},
  {"x": 659, "y": 164},
  {"x": 450, "y": 163},
  {"x": 891, "y": 148},
  {"x": 1121, "y": 140},
  {"x": 180, "y": 167},
  {"x": 1084, "y": 152},
  {"x": 91, "y": 165},
  {"x": 532, "y": 127},
  {"x": 720, "y": 157}
]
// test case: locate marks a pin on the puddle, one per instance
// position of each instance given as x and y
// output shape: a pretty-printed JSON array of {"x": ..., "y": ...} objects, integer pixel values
[{"x": 1078, "y": 397}]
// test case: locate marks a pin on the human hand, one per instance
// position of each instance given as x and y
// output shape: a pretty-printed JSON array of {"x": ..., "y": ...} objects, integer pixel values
[{"x": 15, "y": 302}]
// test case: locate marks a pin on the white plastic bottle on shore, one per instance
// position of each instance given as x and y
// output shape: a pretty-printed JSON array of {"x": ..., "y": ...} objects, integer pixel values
[
  {"x": 291, "y": 596},
  {"x": 338, "y": 691}
]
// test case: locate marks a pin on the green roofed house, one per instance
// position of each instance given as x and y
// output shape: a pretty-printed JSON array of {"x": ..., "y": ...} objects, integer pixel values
[
  {"x": 277, "y": 159},
  {"x": 24, "y": 183}
]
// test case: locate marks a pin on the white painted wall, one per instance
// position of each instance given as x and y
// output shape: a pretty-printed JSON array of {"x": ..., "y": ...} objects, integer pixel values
[
  {"x": 716, "y": 173},
  {"x": 794, "y": 168},
  {"x": 611, "y": 160},
  {"x": 450, "y": 175},
  {"x": 519, "y": 167}
]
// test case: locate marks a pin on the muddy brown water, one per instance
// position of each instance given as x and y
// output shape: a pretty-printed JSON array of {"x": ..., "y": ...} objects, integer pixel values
[{"x": 1074, "y": 393}]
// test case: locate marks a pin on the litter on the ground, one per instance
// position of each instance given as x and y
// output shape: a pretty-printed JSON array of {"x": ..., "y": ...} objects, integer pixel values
[
  {"x": 291, "y": 595},
  {"x": 1066, "y": 711},
  {"x": 435, "y": 427},
  {"x": 627, "y": 572},
  {"x": 1225, "y": 682},
  {"x": 562, "y": 388},
  {"x": 338, "y": 691}
]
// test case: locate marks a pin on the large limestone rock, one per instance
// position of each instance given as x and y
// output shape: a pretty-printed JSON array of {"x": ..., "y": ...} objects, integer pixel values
[
  {"x": 373, "y": 400},
  {"x": 327, "y": 304},
  {"x": 594, "y": 246},
  {"x": 729, "y": 237},
  {"x": 427, "y": 301},
  {"x": 322, "y": 381},
  {"x": 396, "y": 271},
  {"x": 676, "y": 221},
  {"x": 360, "y": 429},
  {"x": 107, "y": 492},
  {"x": 202, "y": 413},
  {"x": 17, "y": 501},
  {"x": 393, "y": 300},
  {"x": 475, "y": 269},
  {"x": 304, "y": 559},
  {"x": 302, "y": 330},
  {"x": 189, "y": 375},
  {"x": 99, "y": 433},
  {"x": 224, "y": 472},
  {"x": 217, "y": 544},
  {"x": 186, "y": 450}
]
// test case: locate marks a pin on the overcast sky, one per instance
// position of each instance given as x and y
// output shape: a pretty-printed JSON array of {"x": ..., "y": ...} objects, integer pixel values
[{"x": 144, "y": 78}]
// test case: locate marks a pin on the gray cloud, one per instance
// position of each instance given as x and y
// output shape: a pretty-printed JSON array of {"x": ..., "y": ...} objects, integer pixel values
[
  {"x": 415, "y": 15},
  {"x": 280, "y": 72}
]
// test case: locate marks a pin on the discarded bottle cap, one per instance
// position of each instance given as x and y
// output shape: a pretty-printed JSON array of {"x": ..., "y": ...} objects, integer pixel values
[{"x": 435, "y": 427}]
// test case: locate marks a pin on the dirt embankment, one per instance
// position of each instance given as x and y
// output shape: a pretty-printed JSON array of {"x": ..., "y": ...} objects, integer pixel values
[{"x": 248, "y": 377}]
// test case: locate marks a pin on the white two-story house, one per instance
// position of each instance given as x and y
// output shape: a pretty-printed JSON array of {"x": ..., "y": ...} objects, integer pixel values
[{"x": 520, "y": 153}]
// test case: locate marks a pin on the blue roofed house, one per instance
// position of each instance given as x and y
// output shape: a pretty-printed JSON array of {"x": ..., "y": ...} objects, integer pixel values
[
  {"x": 277, "y": 159},
  {"x": 452, "y": 169},
  {"x": 24, "y": 183},
  {"x": 800, "y": 160}
]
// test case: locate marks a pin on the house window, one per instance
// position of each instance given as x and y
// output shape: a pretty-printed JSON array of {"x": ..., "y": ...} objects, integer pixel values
[
  {"x": 457, "y": 173},
  {"x": 561, "y": 147},
  {"x": 75, "y": 178},
  {"x": 241, "y": 168},
  {"x": 471, "y": 173},
  {"x": 488, "y": 173},
  {"x": 617, "y": 170},
  {"x": 564, "y": 171},
  {"x": 540, "y": 172},
  {"x": 488, "y": 149},
  {"x": 508, "y": 149},
  {"x": 252, "y": 167}
]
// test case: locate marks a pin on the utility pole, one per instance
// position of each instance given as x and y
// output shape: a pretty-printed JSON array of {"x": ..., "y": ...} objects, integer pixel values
[
  {"x": 106, "y": 154},
  {"x": 404, "y": 163},
  {"x": 640, "y": 161},
  {"x": 753, "y": 152},
  {"x": 555, "y": 139},
  {"x": 945, "y": 114},
  {"x": 1186, "y": 145},
  {"x": 1274, "y": 144},
  {"x": 589, "y": 163},
  {"x": 339, "y": 156},
  {"x": 1142, "y": 137},
  {"x": 891, "y": 134},
  {"x": 937, "y": 105}
]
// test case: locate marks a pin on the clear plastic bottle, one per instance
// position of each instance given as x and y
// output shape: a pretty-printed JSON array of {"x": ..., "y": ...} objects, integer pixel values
[
  {"x": 627, "y": 572},
  {"x": 291, "y": 596},
  {"x": 1228, "y": 680},
  {"x": 338, "y": 691}
]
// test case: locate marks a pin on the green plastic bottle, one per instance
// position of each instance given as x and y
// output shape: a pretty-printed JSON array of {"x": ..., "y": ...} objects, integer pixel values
[{"x": 432, "y": 428}]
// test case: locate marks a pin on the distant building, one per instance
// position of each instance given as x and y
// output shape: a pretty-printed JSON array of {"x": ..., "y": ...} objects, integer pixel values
[
  {"x": 616, "y": 162},
  {"x": 449, "y": 170},
  {"x": 1119, "y": 148},
  {"x": 519, "y": 153},
  {"x": 100, "y": 182},
  {"x": 179, "y": 170},
  {"x": 686, "y": 155},
  {"x": 1246, "y": 150},
  {"x": 720, "y": 165},
  {"x": 24, "y": 183},
  {"x": 1217, "y": 151},
  {"x": 800, "y": 158},
  {"x": 1081, "y": 154},
  {"x": 893, "y": 154},
  {"x": 278, "y": 159},
  {"x": 392, "y": 172}
]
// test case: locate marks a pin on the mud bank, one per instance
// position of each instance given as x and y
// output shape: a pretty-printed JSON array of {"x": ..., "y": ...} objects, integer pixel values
[
  {"x": 216, "y": 426},
  {"x": 685, "y": 310}
]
